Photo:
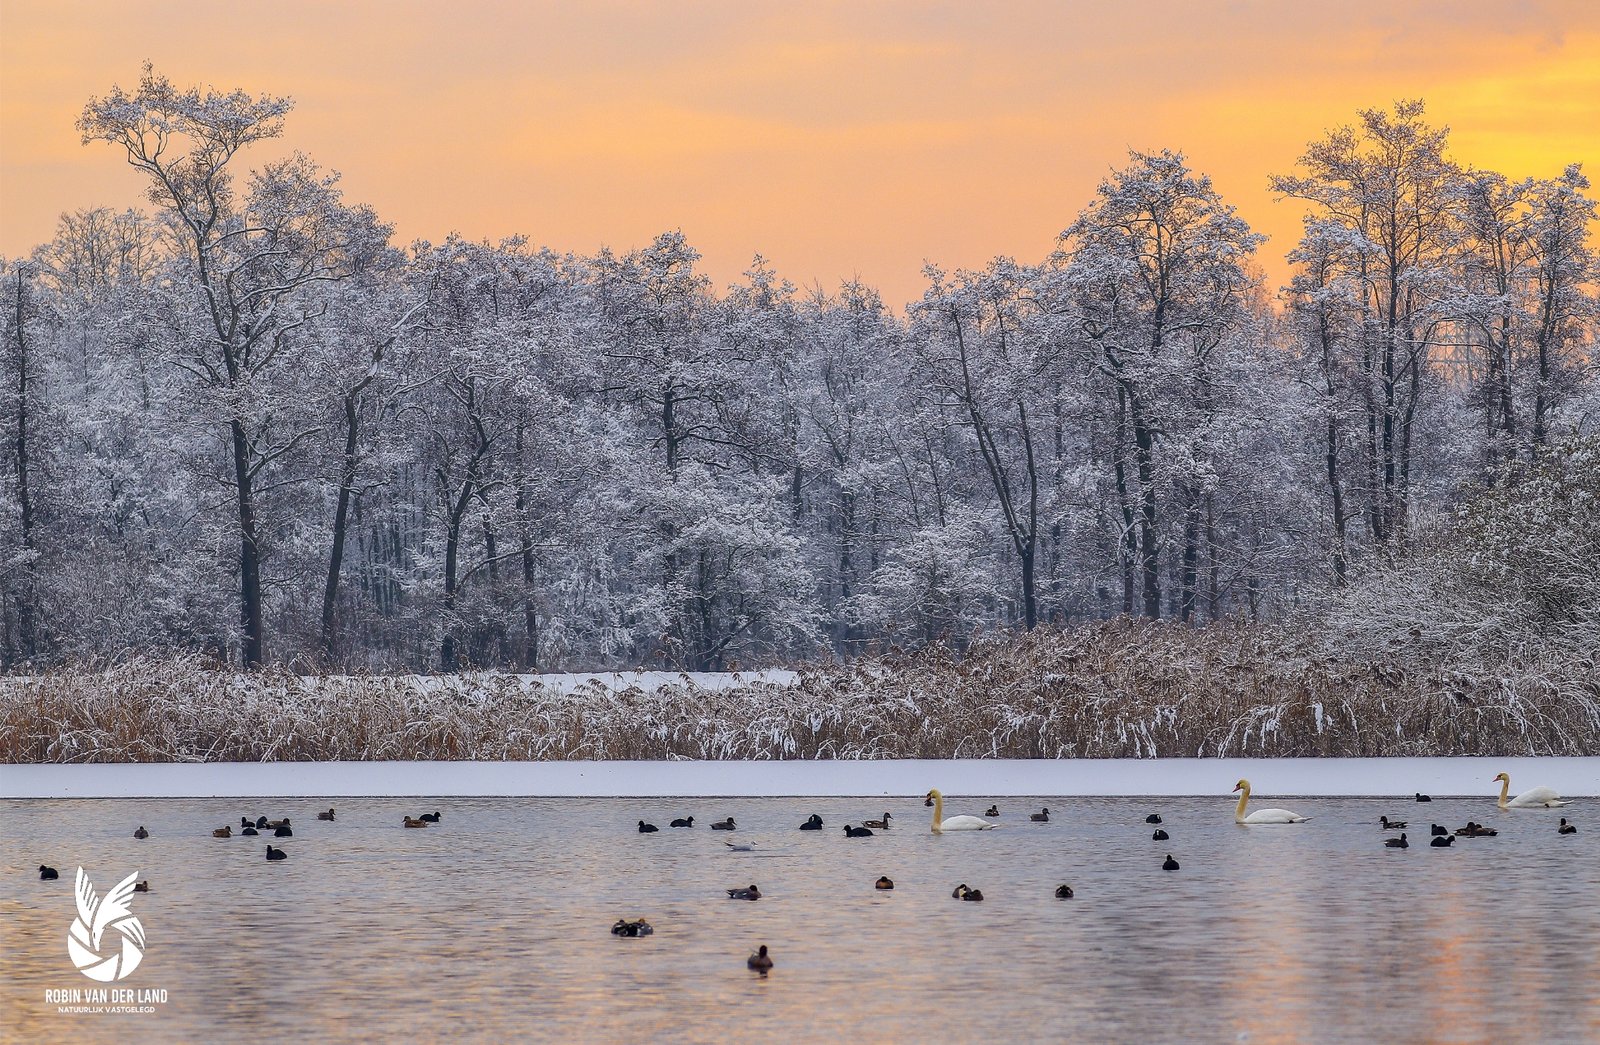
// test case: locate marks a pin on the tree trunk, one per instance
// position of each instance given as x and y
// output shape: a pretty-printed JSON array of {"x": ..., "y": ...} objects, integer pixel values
[
  {"x": 341, "y": 514},
  {"x": 27, "y": 638},
  {"x": 250, "y": 624}
]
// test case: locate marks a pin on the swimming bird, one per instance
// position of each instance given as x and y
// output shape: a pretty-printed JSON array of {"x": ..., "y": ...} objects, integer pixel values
[
  {"x": 48, "y": 874},
  {"x": 261, "y": 823},
  {"x": 1566, "y": 828},
  {"x": 723, "y": 825},
  {"x": 857, "y": 832},
  {"x": 646, "y": 829},
  {"x": 275, "y": 824},
  {"x": 1153, "y": 818},
  {"x": 1533, "y": 798},
  {"x": 1422, "y": 797},
  {"x": 955, "y": 823},
  {"x": 142, "y": 887},
  {"x": 1476, "y": 830},
  {"x": 881, "y": 825},
  {"x": 276, "y": 854},
  {"x": 415, "y": 823},
  {"x": 433, "y": 817},
  {"x": 1392, "y": 825},
  {"x": 992, "y": 811},
  {"x": 741, "y": 847},
  {"x": 884, "y": 883},
  {"x": 326, "y": 816},
  {"x": 141, "y": 833},
  {"x": 1169, "y": 864},
  {"x": 245, "y": 821},
  {"x": 1262, "y": 816},
  {"x": 973, "y": 895},
  {"x": 1159, "y": 835},
  {"x": 959, "y": 891},
  {"x": 752, "y": 893},
  {"x": 1063, "y": 892},
  {"x": 1397, "y": 843},
  {"x": 248, "y": 831},
  {"x": 1041, "y": 817},
  {"x": 223, "y": 832},
  {"x": 687, "y": 821},
  {"x": 1443, "y": 842},
  {"x": 760, "y": 960},
  {"x": 1440, "y": 829},
  {"x": 284, "y": 831},
  {"x": 623, "y": 927},
  {"x": 813, "y": 823}
]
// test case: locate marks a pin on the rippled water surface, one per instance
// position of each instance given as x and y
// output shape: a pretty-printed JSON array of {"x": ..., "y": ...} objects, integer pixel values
[{"x": 494, "y": 923}]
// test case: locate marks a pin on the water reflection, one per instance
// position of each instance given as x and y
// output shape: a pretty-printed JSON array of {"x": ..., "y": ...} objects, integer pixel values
[{"x": 496, "y": 923}]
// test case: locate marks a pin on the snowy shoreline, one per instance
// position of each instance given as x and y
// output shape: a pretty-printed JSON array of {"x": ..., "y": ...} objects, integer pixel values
[{"x": 1325, "y": 777}]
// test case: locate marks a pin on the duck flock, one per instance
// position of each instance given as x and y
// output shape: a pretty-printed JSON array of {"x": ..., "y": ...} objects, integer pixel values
[{"x": 1440, "y": 836}]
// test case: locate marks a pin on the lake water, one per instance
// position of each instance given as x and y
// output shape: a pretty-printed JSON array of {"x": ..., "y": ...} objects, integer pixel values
[{"x": 495, "y": 923}]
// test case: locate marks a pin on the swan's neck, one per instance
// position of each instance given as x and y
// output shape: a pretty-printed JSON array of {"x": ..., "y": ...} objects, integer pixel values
[
  {"x": 938, "y": 811},
  {"x": 1238, "y": 812},
  {"x": 1505, "y": 785}
]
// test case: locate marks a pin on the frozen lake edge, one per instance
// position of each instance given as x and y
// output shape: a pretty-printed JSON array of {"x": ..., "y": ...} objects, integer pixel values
[{"x": 1323, "y": 777}]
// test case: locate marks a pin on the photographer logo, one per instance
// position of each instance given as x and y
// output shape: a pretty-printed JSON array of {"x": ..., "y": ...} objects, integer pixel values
[{"x": 106, "y": 941}]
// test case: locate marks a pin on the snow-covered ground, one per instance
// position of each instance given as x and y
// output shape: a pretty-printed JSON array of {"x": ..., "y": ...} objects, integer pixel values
[{"x": 1573, "y": 777}]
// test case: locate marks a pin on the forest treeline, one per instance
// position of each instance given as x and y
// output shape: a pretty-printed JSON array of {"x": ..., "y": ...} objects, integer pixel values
[{"x": 241, "y": 421}]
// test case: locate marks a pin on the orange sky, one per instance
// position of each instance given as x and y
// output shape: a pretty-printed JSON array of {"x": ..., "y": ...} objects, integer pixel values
[{"x": 835, "y": 139}]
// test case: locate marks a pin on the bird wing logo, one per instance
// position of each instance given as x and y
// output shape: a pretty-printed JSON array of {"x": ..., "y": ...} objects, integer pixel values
[{"x": 106, "y": 921}]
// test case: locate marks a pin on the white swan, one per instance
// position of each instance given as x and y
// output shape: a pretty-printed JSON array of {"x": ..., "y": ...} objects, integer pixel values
[
  {"x": 955, "y": 823},
  {"x": 1262, "y": 816},
  {"x": 1533, "y": 798}
]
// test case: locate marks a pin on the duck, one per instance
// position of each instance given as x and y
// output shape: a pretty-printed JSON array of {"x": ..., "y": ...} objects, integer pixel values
[
  {"x": 245, "y": 821},
  {"x": 1566, "y": 828},
  {"x": 760, "y": 960},
  {"x": 973, "y": 896},
  {"x": 410, "y": 822},
  {"x": 275, "y": 824},
  {"x": 142, "y": 887},
  {"x": 646, "y": 829},
  {"x": 1440, "y": 829},
  {"x": 223, "y": 832},
  {"x": 433, "y": 817},
  {"x": 1477, "y": 830},
  {"x": 741, "y": 847},
  {"x": 1423, "y": 798},
  {"x": 1443, "y": 842},
  {"x": 752, "y": 893},
  {"x": 1397, "y": 843},
  {"x": 1533, "y": 798},
  {"x": 623, "y": 927},
  {"x": 283, "y": 831},
  {"x": 884, "y": 882},
  {"x": 1041, "y": 817},
  {"x": 857, "y": 832},
  {"x": 141, "y": 833},
  {"x": 1392, "y": 825},
  {"x": 687, "y": 821},
  {"x": 1063, "y": 892},
  {"x": 723, "y": 825},
  {"x": 1153, "y": 818},
  {"x": 326, "y": 816},
  {"x": 881, "y": 825},
  {"x": 48, "y": 874},
  {"x": 248, "y": 831},
  {"x": 1169, "y": 864},
  {"x": 992, "y": 811},
  {"x": 813, "y": 823},
  {"x": 955, "y": 823},
  {"x": 276, "y": 854},
  {"x": 959, "y": 891},
  {"x": 1262, "y": 816},
  {"x": 1159, "y": 835}
]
